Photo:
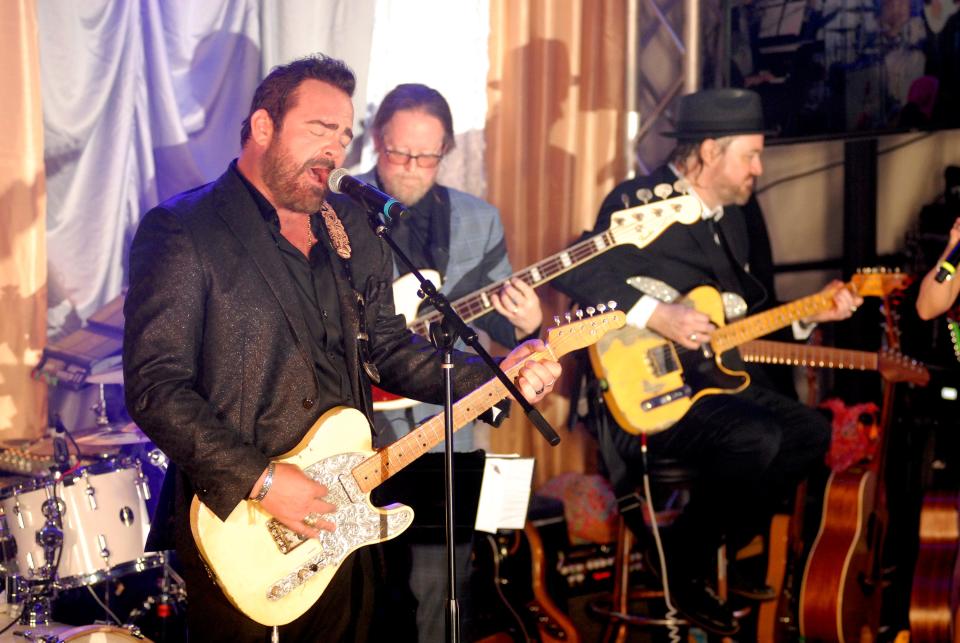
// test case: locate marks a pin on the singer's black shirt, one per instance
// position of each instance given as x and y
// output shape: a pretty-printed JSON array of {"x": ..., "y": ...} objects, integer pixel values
[{"x": 317, "y": 296}]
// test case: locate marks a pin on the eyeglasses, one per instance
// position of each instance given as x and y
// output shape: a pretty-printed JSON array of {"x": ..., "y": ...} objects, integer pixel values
[{"x": 423, "y": 160}]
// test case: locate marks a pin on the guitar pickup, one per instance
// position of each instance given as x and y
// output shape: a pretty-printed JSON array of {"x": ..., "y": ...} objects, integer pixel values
[
  {"x": 285, "y": 539},
  {"x": 666, "y": 398}
]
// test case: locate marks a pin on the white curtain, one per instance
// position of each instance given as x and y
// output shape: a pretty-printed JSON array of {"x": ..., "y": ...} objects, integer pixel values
[{"x": 143, "y": 99}]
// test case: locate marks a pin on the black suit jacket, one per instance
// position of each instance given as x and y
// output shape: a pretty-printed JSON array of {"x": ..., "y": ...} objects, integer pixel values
[
  {"x": 216, "y": 370},
  {"x": 684, "y": 256}
]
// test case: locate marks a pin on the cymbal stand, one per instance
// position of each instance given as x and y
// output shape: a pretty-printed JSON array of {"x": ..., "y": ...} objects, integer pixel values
[
  {"x": 172, "y": 593},
  {"x": 100, "y": 408}
]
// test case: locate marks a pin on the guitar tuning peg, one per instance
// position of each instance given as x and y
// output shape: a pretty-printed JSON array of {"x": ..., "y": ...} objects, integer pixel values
[
  {"x": 601, "y": 308},
  {"x": 568, "y": 317},
  {"x": 591, "y": 310},
  {"x": 556, "y": 319},
  {"x": 644, "y": 195},
  {"x": 579, "y": 314},
  {"x": 663, "y": 191},
  {"x": 612, "y": 305},
  {"x": 680, "y": 186}
]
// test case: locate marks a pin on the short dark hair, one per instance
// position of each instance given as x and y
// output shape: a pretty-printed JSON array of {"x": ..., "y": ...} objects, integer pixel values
[
  {"x": 417, "y": 97},
  {"x": 275, "y": 92}
]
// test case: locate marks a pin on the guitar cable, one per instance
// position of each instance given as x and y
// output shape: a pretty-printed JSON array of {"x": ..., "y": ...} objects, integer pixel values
[{"x": 670, "y": 617}]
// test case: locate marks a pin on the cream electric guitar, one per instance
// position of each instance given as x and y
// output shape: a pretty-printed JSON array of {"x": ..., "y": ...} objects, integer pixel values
[
  {"x": 273, "y": 575},
  {"x": 652, "y": 382},
  {"x": 639, "y": 226}
]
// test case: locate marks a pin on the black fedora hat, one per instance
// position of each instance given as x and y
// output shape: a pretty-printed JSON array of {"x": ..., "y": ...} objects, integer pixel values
[{"x": 712, "y": 113}]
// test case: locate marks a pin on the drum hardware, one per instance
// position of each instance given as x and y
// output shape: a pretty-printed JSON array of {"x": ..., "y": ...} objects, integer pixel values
[
  {"x": 38, "y": 593},
  {"x": 74, "y": 529},
  {"x": 158, "y": 459},
  {"x": 172, "y": 593}
]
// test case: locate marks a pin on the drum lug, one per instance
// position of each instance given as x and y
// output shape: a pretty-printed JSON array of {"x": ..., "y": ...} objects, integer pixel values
[
  {"x": 104, "y": 552},
  {"x": 90, "y": 491},
  {"x": 142, "y": 482}
]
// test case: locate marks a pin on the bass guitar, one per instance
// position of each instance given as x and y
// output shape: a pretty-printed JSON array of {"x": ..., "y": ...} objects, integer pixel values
[
  {"x": 272, "y": 574},
  {"x": 639, "y": 226},
  {"x": 652, "y": 382}
]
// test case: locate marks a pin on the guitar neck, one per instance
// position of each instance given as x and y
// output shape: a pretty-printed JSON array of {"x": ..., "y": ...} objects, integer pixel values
[
  {"x": 640, "y": 225},
  {"x": 740, "y": 332},
  {"x": 392, "y": 459},
  {"x": 560, "y": 341},
  {"x": 769, "y": 352}
]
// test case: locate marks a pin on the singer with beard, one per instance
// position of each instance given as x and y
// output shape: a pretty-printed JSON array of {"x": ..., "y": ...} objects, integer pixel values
[
  {"x": 750, "y": 449},
  {"x": 256, "y": 303}
]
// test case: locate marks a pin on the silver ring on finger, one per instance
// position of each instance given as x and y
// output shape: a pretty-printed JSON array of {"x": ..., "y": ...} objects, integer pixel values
[
  {"x": 310, "y": 520},
  {"x": 693, "y": 337},
  {"x": 539, "y": 392}
]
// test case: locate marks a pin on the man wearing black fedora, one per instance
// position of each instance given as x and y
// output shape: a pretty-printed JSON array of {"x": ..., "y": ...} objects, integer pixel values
[{"x": 749, "y": 449}]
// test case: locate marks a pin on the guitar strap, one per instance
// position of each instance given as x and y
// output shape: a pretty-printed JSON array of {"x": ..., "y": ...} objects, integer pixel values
[{"x": 341, "y": 244}]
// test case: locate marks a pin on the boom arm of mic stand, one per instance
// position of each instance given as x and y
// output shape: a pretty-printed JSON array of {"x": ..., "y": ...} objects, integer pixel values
[{"x": 468, "y": 335}]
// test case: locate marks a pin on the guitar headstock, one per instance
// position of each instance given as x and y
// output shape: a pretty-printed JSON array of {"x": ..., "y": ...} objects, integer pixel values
[
  {"x": 896, "y": 367},
  {"x": 589, "y": 326},
  {"x": 643, "y": 223},
  {"x": 879, "y": 282}
]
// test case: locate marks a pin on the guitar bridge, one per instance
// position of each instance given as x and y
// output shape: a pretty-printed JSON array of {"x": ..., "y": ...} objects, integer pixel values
[
  {"x": 284, "y": 538},
  {"x": 666, "y": 398}
]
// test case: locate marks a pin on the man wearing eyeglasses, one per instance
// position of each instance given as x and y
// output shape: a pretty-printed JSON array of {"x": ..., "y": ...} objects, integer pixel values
[{"x": 460, "y": 237}]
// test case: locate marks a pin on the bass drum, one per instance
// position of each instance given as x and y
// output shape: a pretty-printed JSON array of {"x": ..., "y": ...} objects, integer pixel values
[
  {"x": 98, "y": 634},
  {"x": 72, "y": 633}
]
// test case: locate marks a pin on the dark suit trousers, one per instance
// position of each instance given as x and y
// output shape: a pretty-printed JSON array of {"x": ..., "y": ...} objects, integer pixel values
[
  {"x": 343, "y": 613},
  {"x": 750, "y": 449}
]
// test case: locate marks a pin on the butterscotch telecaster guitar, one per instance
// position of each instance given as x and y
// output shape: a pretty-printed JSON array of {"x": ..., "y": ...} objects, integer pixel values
[
  {"x": 639, "y": 226},
  {"x": 652, "y": 382},
  {"x": 273, "y": 575}
]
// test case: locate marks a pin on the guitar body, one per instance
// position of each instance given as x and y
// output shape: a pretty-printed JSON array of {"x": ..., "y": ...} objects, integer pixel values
[
  {"x": 510, "y": 576},
  {"x": 406, "y": 301},
  {"x": 273, "y": 587},
  {"x": 653, "y": 382},
  {"x": 936, "y": 576},
  {"x": 836, "y": 579},
  {"x": 273, "y": 575}
]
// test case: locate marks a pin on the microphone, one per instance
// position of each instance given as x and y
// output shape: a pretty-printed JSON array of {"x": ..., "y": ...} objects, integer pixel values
[
  {"x": 948, "y": 267},
  {"x": 342, "y": 183}
]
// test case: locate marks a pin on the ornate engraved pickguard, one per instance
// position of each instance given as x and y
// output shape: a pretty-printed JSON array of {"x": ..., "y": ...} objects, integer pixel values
[{"x": 358, "y": 522}]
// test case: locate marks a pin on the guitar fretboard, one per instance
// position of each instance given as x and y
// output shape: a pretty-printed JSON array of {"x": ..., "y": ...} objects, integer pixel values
[
  {"x": 740, "y": 332},
  {"x": 393, "y": 458},
  {"x": 646, "y": 222},
  {"x": 769, "y": 352}
]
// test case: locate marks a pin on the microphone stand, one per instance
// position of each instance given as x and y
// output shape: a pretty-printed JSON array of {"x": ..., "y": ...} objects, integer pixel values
[{"x": 444, "y": 336}]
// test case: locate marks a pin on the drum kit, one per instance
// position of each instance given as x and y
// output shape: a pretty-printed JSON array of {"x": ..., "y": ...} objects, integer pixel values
[{"x": 81, "y": 524}]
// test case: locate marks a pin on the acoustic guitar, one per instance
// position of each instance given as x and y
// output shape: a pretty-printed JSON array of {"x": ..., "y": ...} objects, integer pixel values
[
  {"x": 652, "y": 382},
  {"x": 841, "y": 591},
  {"x": 934, "y": 600},
  {"x": 638, "y": 225},
  {"x": 272, "y": 574}
]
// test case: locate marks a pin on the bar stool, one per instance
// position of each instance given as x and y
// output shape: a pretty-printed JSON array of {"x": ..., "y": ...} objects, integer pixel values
[{"x": 665, "y": 475}]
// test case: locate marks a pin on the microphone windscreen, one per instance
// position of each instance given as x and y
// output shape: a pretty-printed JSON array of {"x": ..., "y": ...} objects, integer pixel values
[{"x": 333, "y": 181}]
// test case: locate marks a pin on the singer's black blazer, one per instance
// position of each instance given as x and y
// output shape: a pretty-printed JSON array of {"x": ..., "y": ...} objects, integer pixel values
[{"x": 216, "y": 370}]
